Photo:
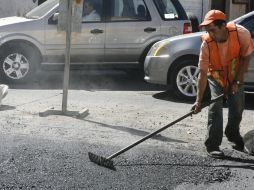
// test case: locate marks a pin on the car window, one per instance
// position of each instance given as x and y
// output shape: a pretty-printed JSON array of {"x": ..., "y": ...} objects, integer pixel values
[
  {"x": 42, "y": 9},
  {"x": 249, "y": 24},
  {"x": 92, "y": 11},
  {"x": 166, "y": 9},
  {"x": 128, "y": 10}
]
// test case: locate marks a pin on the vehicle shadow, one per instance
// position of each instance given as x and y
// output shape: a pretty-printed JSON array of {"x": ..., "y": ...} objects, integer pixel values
[
  {"x": 168, "y": 95},
  {"x": 113, "y": 80},
  {"x": 6, "y": 107}
]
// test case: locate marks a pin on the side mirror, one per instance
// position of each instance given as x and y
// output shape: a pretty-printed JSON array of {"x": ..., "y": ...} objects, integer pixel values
[{"x": 53, "y": 19}]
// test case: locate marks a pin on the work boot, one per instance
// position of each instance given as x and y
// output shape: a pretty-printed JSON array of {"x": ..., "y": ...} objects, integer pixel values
[
  {"x": 215, "y": 152},
  {"x": 238, "y": 143}
]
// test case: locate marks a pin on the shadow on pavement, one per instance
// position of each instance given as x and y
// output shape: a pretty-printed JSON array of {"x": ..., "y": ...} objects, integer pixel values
[
  {"x": 249, "y": 163},
  {"x": 242, "y": 166},
  {"x": 6, "y": 107},
  {"x": 114, "y": 80},
  {"x": 136, "y": 132},
  {"x": 108, "y": 80},
  {"x": 169, "y": 96}
]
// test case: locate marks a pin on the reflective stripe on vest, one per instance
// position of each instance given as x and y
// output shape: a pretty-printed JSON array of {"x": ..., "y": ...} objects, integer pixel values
[{"x": 224, "y": 75}]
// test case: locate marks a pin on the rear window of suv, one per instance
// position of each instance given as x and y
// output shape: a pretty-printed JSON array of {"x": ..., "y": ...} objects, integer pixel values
[
  {"x": 169, "y": 10},
  {"x": 130, "y": 10}
]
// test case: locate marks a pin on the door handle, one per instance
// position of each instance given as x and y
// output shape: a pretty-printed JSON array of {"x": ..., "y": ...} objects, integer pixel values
[
  {"x": 150, "y": 29},
  {"x": 96, "y": 31}
]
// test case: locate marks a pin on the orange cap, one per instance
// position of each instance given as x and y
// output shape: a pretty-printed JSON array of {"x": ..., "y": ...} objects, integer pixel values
[{"x": 211, "y": 16}]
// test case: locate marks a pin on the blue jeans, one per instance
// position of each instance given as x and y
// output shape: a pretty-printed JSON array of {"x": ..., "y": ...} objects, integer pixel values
[{"x": 215, "y": 115}]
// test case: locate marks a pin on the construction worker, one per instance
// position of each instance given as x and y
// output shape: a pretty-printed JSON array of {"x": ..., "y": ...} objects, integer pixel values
[
  {"x": 224, "y": 57},
  {"x": 3, "y": 92}
]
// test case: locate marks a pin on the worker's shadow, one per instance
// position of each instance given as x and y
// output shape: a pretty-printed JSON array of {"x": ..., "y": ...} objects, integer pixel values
[
  {"x": 245, "y": 163},
  {"x": 137, "y": 132},
  {"x": 6, "y": 107}
]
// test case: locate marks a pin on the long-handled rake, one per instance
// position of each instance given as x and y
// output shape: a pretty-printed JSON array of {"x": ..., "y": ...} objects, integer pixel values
[{"x": 108, "y": 162}]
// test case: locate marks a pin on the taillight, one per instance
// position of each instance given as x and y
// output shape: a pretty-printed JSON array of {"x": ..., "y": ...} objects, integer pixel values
[{"x": 187, "y": 28}]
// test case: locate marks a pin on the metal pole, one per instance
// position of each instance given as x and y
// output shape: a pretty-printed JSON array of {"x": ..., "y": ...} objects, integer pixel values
[{"x": 67, "y": 57}]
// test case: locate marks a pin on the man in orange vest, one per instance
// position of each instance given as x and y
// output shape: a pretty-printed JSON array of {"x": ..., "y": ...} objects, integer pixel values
[{"x": 224, "y": 57}]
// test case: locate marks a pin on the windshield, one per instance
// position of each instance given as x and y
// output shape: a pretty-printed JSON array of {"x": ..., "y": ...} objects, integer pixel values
[{"x": 42, "y": 9}]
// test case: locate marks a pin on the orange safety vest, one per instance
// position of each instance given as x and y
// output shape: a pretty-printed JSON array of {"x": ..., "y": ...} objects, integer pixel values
[{"x": 224, "y": 75}]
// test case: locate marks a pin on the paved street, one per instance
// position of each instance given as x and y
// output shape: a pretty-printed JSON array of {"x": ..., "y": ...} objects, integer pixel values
[{"x": 51, "y": 152}]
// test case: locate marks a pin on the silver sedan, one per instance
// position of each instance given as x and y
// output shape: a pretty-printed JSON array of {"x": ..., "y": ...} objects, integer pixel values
[{"x": 173, "y": 61}]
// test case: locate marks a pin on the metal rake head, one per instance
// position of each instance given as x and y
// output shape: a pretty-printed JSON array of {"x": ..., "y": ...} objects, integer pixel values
[{"x": 102, "y": 161}]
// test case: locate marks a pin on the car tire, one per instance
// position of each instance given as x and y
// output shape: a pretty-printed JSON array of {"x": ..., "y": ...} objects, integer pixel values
[
  {"x": 18, "y": 63},
  {"x": 184, "y": 79}
]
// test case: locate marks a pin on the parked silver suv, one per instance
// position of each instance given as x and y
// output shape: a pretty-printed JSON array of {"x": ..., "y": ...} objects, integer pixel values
[{"x": 120, "y": 35}]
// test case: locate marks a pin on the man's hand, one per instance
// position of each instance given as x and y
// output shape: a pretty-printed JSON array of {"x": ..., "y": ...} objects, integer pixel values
[
  {"x": 235, "y": 87},
  {"x": 196, "y": 107}
]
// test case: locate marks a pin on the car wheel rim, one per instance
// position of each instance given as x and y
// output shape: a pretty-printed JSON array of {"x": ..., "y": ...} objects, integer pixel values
[
  {"x": 16, "y": 66},
  {"x": 187, "y": 80}
]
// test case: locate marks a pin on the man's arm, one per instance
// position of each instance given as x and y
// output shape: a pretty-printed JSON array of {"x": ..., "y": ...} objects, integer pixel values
[
  {"x": 202, "y": 81},
  {"x": 243, "y": 67},
  {"x": 202, "y": 77},
  {"x": 201, "y": 86},
  {"x": 246, "y": 50},
  {"x": 247, "y": 47},
  {"x": 245, "y": 61}
]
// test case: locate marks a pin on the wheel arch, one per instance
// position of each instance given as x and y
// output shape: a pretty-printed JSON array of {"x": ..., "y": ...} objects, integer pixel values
[
  {"x": 19, "y": 43},
  {"x": 144, "y": 53}
]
